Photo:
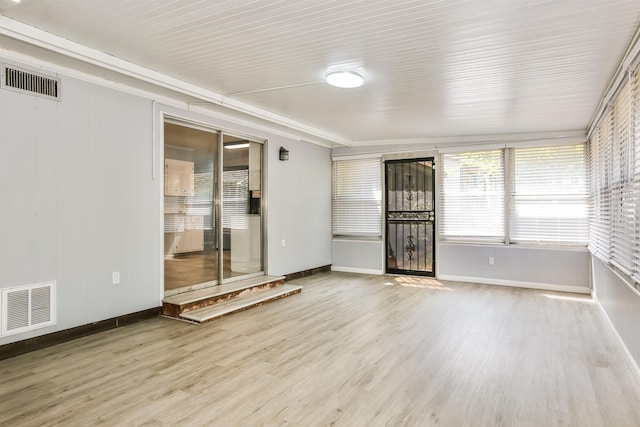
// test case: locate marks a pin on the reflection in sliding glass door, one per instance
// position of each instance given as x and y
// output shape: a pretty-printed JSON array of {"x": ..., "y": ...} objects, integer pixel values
[
  {"x": 241, "y": 207},
  {"x": 190, "y": 250}
]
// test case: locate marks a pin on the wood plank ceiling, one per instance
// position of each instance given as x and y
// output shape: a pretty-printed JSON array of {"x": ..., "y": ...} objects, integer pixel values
[{"x": 433, "y": 68}]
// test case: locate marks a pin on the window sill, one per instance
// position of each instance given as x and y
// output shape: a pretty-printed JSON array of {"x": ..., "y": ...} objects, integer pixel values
[
  {"x": 356, "y": 239},
  {"x": 548, "y": 247}
]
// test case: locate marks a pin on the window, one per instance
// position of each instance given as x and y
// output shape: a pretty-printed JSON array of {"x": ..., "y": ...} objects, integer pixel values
[
  {"x": 548, "y": 197},
  {"x": 614, "y": 163},
  {"x": 549, "y": 201},
  {"x": 357, "y": 197},
  {"x": 472, "y": 196}
]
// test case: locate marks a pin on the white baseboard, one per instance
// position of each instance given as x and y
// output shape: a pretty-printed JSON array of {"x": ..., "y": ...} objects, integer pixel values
[
  {"x": 356, "y": 270},
  {"x": 630, "y": 358},
  {"x": 518, "y": 284}
]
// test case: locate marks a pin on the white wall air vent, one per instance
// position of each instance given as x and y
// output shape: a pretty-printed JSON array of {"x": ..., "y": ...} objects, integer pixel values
[
  {"x": 27, "y": 82},
  {"x": 29, "y": 307}
]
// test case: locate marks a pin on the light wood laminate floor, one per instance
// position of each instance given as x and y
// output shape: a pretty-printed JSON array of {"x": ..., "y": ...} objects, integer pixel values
[{"x": 350, "y": 350}]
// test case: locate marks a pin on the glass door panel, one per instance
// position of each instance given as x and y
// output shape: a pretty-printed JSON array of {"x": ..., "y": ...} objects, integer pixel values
[
  {"x": 190, "y": 250},
  {"x": 241, "y": 207},
  {"x": 410, "y": 216}
]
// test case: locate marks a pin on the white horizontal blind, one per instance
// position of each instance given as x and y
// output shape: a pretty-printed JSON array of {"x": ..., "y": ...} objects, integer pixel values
[
  {"x": 472, "y": 196},
  {"x": 202, "y": 201},
  {"x": 549, "y": 198},
  {"x": 235, "y": 198},
  {"x": 605, "y": 158},
  {"x": 634, "y": 147},
  {"x": 357, "y": 197},
  {"x": 600, "y": 240},
  {"x": 621, "y": 204},
  {"x": 615, "y": 182},
  {"x": 598, "y": 226}
]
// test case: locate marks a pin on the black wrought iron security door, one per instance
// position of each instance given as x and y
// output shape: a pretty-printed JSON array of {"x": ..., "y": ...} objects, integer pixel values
[{"x": 410, "y": 216}]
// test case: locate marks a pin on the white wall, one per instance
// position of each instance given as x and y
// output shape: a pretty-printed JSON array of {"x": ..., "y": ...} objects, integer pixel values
[
  {"x": 79, "y": 200},
  {"x": 357, "y": 256},
  {"x": 299, "y": 207},
  {"x": 621, "y": 305},
  {"x": 560, "y": 269}
]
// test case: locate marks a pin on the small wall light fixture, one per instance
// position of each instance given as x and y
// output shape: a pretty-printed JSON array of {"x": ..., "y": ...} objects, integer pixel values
[{"x": 284, "y": 154}]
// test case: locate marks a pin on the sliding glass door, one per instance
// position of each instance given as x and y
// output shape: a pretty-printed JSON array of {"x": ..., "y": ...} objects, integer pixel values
[{"x": 212, "y": 207}]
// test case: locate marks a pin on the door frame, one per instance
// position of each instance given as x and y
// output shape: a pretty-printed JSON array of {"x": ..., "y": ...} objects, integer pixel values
[
  {"x": 164, "y": 113},
  {"x": 432, "y": 273}
]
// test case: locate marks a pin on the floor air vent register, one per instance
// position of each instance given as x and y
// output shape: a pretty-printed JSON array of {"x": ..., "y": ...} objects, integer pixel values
[{"x": 29, "y": 307}]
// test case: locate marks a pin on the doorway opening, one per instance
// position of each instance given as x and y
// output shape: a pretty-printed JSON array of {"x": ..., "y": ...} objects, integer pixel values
[
  {"x": 212, "y": 207},
  {"x": 410, "y": 216}
]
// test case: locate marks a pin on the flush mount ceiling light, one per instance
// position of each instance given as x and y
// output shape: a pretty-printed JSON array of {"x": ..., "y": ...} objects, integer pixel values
[{"x": 345, "y": 79}]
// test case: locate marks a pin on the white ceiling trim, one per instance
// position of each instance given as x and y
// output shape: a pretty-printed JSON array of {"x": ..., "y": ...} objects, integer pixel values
[
  {"x": 20, "y": 31},
  {"x": 514, "y": 144},
  {"x": 203, "y": 113},
  {"x": 356, "y": 156},
  {"x": 568, "y": 136},
  {"x": 490, "y": 142}
]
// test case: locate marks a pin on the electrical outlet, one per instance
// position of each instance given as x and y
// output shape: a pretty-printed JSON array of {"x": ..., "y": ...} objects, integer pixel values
[
  {"x": 115, "y": 277},
  {"x": 491, "y": 260},
  {"x": 284, "y": 243}
]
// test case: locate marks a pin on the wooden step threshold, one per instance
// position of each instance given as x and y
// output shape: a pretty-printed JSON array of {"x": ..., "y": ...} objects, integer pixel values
[
  {"x": 174, "y": 305},
  {"x": 216, "y": 311}
]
